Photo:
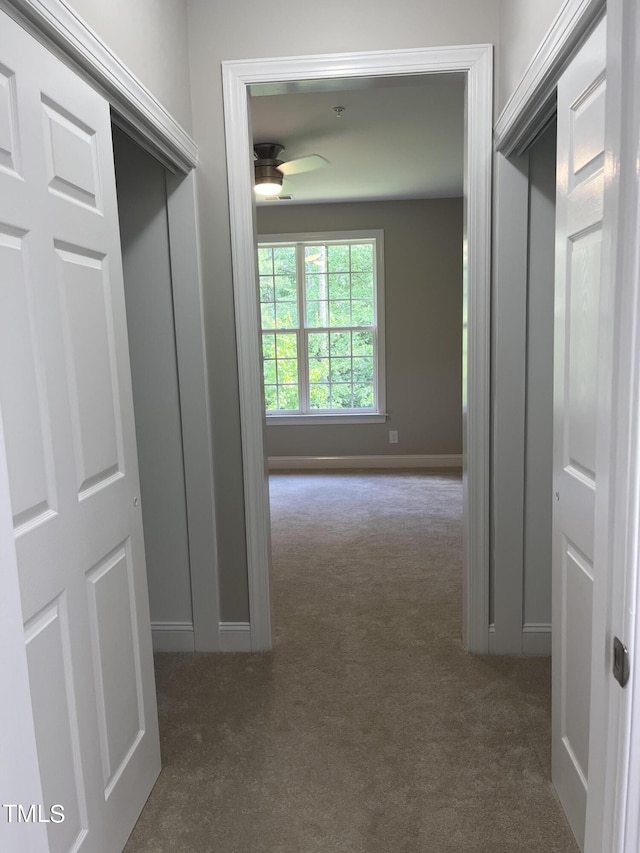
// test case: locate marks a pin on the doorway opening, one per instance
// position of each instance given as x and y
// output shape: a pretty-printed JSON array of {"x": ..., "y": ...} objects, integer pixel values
[
  {"x": 164, "y": 323},
  {"x": 239, "y": 78},
  {"x": 360, "y": 280}
]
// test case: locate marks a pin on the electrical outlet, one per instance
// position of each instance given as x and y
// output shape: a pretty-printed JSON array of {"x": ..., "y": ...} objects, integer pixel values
[{"x": 393, "y": 436}]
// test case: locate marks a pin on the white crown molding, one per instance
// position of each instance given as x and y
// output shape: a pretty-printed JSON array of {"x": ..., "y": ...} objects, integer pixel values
[
  {"x": 533, "y": 102},
  {"x": 306, "y": 463},
  {"x": 476, "y": 61},
  {"x": 136, "y": 110}
]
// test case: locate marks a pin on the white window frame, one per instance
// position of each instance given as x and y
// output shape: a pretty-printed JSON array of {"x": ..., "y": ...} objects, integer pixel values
[{"x": 348, "y": 416}]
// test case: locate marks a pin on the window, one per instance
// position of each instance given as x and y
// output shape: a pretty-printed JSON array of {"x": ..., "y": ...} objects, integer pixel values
[{"x": 321, "y": 305}]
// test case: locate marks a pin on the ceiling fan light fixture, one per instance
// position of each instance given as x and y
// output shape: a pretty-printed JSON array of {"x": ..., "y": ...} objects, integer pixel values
[
  {"x": 268, "y": 178},
  {"x": 267, "y": 189}
]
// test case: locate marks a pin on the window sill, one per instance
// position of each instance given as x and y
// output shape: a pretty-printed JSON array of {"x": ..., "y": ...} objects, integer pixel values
[{"x": 323, "y": 419}]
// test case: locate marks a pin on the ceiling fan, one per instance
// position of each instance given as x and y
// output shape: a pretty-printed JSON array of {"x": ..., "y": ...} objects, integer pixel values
[{"x": 269, "y": 170}]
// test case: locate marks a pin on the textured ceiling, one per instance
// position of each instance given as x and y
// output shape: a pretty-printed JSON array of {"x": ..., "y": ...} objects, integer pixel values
[{"x": 400, "y": 137}]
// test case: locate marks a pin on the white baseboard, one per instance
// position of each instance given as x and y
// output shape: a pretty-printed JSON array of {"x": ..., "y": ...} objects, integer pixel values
[
  {"x": 235, "y": 637},
  {"x": 172, "y": 636},
  {"x": 279, "y": 463},
  {"x": 536, "y": 639}
]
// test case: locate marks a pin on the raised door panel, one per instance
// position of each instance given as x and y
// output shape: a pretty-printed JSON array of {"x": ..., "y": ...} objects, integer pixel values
[
  {"x": 583, "y": 295},
  {"x": 90, "y": 364},
  {"x": 58, "y": 737},
  {"x": 116, "y": 662},
  {"x": 23, "y": 390},
  {"x": 9, "y": 149},
  {"x": 71, "y": 156},
  {"x": 578, "y": 588}
]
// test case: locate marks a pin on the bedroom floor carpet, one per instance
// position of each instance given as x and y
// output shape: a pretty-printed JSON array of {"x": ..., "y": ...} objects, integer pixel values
[{"x": 368, "y": 729}]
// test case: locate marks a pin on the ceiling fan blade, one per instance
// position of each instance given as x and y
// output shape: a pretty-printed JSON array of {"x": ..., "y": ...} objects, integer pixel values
[{"x": 302, "y": 164}]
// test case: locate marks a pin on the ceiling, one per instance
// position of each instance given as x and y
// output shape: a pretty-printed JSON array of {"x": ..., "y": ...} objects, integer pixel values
[{"x": 397, "y": 138}]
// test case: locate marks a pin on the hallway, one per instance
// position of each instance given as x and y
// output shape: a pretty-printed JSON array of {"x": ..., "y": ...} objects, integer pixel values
[{"x": 368, "y": 729}]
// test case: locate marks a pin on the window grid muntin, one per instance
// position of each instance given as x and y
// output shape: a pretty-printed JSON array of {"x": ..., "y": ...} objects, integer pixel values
[
  {"x": 330, "y": 358},
  {"x": 275, "y": 359},
  {"x": 303, "y": 330}
]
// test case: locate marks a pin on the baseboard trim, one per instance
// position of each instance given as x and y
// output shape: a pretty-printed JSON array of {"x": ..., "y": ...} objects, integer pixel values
[
  {"x": 235, "y": 637},
  {"x": 536, "y": 639},
  {"x": 280, "y": 463},
  {"x": 172, "y": 637}
]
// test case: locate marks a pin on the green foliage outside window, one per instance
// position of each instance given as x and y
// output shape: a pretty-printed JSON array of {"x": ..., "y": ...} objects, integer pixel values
[{"x": 328, "y": 319}]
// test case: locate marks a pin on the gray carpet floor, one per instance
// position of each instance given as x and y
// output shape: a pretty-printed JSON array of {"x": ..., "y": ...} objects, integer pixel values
[{"x": 368, "y": 729}]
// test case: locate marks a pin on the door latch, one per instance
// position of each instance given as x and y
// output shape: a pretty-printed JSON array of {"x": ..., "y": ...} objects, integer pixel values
[{"x": 621, "y": 666}]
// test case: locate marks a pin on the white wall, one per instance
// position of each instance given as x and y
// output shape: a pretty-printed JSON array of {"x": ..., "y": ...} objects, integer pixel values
[
  {"x": 150, "y": 37},
  {"x": 142, "y": 200},
  {"x": 523, "y": 25},
  {"x": 423, "y": 311}
]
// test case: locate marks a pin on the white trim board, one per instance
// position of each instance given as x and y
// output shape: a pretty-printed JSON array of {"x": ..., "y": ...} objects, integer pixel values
[
  {"x": 509, "y": 323},
  {"x": 172, "y": 637},
  {"x": 536, "y": 639},
  {"x": 186, "y": 285},
  {"x": 235, "y": 637},
  {"x": 281, "y": 463},
  {"x": 476, "y": 62},
  {"x": 137, "y": 111},
  {"x": 532, "y": 104}
]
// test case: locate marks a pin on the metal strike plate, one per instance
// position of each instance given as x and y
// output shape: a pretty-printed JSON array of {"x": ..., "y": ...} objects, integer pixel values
[{"x": 620, "y": 662}]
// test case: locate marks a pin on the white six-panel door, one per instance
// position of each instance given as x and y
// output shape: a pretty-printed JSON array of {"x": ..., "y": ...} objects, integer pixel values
[
  {"x": 65, "y": 398},
  {"x": 580, "y": 191}
]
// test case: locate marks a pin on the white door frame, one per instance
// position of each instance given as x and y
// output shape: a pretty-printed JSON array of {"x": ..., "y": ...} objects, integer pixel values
[
  {"x": 136, "y": 111},
  {"x": 476, "y": 62}
]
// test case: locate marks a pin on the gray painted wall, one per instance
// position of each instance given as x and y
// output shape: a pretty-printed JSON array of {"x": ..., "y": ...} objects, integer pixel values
[
  {"x": 150, "y": 37},
  {"x": 219, "y": 31},
  {"x": 523, "y": 25},
  {"x": 539, "y": 395},
  {"x": 142, "y": 201},
  {"x": 423, "y": 296}
]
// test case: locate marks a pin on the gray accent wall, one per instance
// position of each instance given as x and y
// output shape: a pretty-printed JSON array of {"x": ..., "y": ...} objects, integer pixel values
[
  {"x": 142, "y": 206},
  {"x": 423, "y": 313},
  {"x": 539, "y": 393}
]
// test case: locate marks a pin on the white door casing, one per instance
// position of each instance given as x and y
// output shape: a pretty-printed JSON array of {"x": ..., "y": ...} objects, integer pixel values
[
  {"x": 476, "y": 62},
  {"x": 579, "y": 215},
  {"x": 65, "y": 394}
]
